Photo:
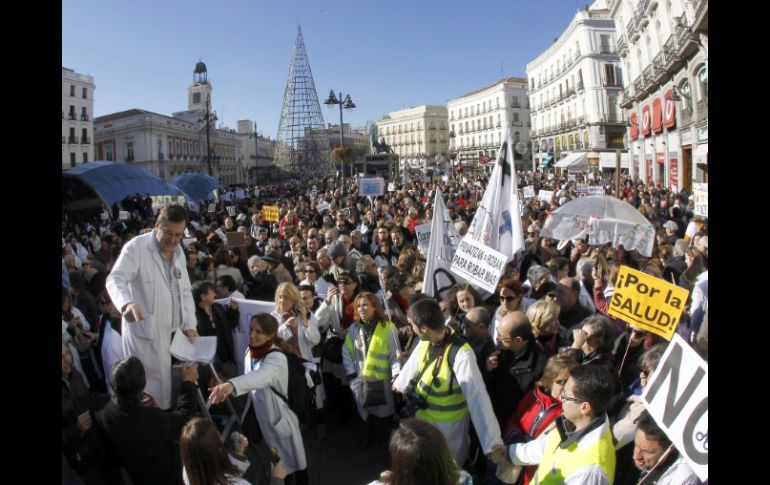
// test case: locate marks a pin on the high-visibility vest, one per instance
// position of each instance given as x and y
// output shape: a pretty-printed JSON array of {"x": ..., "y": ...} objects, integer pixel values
[
  {"x": 377, "y": 361},
  {"x": 558, "y": 464},
  {"x": 446, "y": 403}
]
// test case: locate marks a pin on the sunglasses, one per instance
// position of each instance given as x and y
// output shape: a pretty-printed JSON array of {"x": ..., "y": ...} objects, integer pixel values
[
  {"x": 345, "y": 282},
  {"x": 564, "y": 397}
]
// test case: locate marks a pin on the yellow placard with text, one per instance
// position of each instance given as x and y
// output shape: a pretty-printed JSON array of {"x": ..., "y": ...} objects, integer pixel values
[
  {"x": 270, "y": 213},
  {"x": 647, "y": 302}
]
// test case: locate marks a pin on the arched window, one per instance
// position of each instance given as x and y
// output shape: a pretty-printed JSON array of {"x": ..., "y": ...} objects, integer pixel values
[
  {"x": 703, "y": 83},
  {"x": 586, "y": 140}
]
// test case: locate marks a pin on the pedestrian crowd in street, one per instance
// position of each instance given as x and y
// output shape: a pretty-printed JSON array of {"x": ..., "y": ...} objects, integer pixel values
[{"x": 535, "y": 383}]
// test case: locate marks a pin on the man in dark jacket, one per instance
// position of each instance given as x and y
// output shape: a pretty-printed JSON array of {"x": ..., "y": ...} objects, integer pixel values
[
  {"x": 572, "y": 312},
  {"x": 512, "y": 370},
  {"x": 141, "y": 436},
  {"x": 214, "y": 320}
]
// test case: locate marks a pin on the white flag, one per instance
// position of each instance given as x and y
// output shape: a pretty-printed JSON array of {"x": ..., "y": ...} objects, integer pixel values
[
  {"x": 497, "y": 223},
  {"x": 441, "y": 249}
]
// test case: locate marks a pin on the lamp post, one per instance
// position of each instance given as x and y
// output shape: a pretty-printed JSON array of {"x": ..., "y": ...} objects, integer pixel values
[
  {"x": 208, "y": 117},
  {"x": 347, "y": 103},
  {"x": 255, "y": 135}
]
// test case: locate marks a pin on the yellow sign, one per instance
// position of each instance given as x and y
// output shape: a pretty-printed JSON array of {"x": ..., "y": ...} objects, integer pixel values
[
  {"x": 647, "y": 302},
  {"x": 270, "y": 213}
]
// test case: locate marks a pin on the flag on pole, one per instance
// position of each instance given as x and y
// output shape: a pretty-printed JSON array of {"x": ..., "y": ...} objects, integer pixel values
[
  {"x": 497, "y": 223},
  {"x": 441, "y": 249}
]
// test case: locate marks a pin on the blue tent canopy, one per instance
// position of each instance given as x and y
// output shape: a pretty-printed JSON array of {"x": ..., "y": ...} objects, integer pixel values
[
  {"x": 196, "y": 186},
  {"x": 114, "y": 181}
]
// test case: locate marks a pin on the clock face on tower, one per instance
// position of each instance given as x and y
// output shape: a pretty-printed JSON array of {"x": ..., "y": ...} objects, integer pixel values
[{"x": 196, "y": 98}]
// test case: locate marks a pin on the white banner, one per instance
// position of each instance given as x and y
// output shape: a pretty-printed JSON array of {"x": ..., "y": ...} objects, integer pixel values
[
  {"x": 572, "y": 177},
  {"x": 322, "y": 207},
  {"x": 246, "y": 309},
  {"x": 701, "y": 195},
  {"x": 441, "y": 249},
  {"x": 582, "y": 188},
  {"x": 480, "y": 265},
  {"x": 423, "y": 236},
  {"x": 545, "y": 195},
  {"x": 221, "y": 233},
  {"x": 528, "y": 192},
  {"x": 615, "y": 231},
  {"x": 676, "y": 396},
  {"x": 497, "y": 223},
  {"x": 595, "y": 190},
  {"x": 371, "y": 186},
  {"x": 231, "y": 210}
]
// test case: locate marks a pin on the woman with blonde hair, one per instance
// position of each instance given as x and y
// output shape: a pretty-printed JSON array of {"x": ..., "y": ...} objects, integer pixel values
[
  {"x": 298, "y": 326},
  {"x": 370, "y": 358},
  {"x": 549, "y": 335}
]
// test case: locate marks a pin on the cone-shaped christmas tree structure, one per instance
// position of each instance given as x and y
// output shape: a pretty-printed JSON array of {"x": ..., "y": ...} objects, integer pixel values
[{"x": 303, "y": 148}]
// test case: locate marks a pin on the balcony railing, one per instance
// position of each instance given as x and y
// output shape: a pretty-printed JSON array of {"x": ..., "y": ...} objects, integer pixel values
[
  {"x": 607, "y": 49},
  {"x": 84, "y": 117},
  {"x": 580, "y": 85},
  {"x": 639, "y": 85},
  {"x": 622, "y": 44},
  {"x": 86, "y": 140},
  {"x": 515, "y": 105},
  {"x": 517, "y": 123},
  {"x": 73, "y": 139},
  {"x": 649, "y": 78},
  {"x": 610, "y": 83},
  {"x": 72, "y": 117},
  {"x": 581, "y": 121}
]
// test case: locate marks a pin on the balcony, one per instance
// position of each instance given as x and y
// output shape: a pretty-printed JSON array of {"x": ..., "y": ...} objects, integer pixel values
[
  {"x": 642, "y": 20},
  {"x": 86, "y": 140},
  {"x": 611, "y": 83},
  {"x": 497, "y": 125},
  {"x": 73, "y": 139},
  {"x": 515, "y": 105},
  {"x": 671, "y": 51},
  {"x": 581, "y": 121},
  {"x": 639, "y": 88},
  {"x": 622, "y": 45},
  {"x": 607, "y": 49},
  {"x": 687, "y": 40},
  {"x": 626, "y": 100},
  {"x": 72, "y": 116},
  {"x": 650, "y": 6},
  {"x": 84, "y": 117},
  {"x": 659, "y": 68},
  {"x": 432, "y": 128},
  {"x": 517, "y": 123},
  {"x": 649, "y": 78},
  {"x": 631, "y": 31},
  {"x": 571, "y": 92}
]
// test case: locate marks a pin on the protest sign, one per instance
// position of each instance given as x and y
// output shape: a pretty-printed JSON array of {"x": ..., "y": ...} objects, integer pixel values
[
  {"x": 572, "y": 177},
  {"x": 256, "y": 191},
  {"x": 123, "y": 215},
  {"x": 647, "y": 302},
  {"x": 391, "y": 187},
  {"x": 240, "y": 194},
  {"x": 676, "y": 396},
  {"x": 423, "y": 236},
  {"x": 701, "y": 193},
  {"x": 237, "y": 239},
  {"x": 582, "y": 188},
  {"x": 221, "y": 233},
  {"x": 595, "y": 190},
  {"x": 228, "y": 196},
  {"x": 590, "y": 175},
  {"x": 478, "y": 264},
  {"x": 545, "y": 195},
  {"x": 528, "y": 192},
  {"x": 444, "y": 178},
  {"x": 212, "y": 207},
  {"x": 270, "y": 213},
  {"x": 231, "y": 210},
  {"x": 371, "y": 186},
  {"x": 322, "y": 207}
]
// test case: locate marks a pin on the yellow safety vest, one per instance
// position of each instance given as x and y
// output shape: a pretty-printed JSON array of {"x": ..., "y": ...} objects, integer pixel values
[
  {"x": 377, "y": 361},
  {"x": 558, "y": 464},
  {"x": 445, "y": 403}
]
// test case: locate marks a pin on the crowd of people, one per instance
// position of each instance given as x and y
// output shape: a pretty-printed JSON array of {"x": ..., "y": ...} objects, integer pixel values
[{"x": 531, "y": 384}]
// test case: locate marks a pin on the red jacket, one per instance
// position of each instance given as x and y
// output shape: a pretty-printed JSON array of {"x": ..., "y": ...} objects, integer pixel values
[{"x": 534, "y": 415}]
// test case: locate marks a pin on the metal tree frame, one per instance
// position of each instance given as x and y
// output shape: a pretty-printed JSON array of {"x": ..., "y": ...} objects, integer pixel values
[{"x": 303, "y": 147}]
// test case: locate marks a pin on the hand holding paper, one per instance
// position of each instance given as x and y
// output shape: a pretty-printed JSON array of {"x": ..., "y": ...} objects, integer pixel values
[{"x": 203, "y": 350}]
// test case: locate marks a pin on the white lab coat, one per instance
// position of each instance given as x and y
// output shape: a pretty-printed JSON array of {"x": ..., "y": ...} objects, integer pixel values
[
  {"x": 479, "y": 405},
  {"x": 307, "y": 339},
  {"x": 112, "y": 351},
  {"x": 278, "y": 423},
  {"x": 330, "y": 315},
  {"x": 356, "y": 364},
  {"x": 138, "y": 276}
]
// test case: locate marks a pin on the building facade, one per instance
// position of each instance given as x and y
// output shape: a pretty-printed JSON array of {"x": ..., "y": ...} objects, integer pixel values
[
  {"x": 257, "y": 154},
  {"x": 574, "y": 89},
  {"x": 420, "y": 135},
  {"x": 77, "y": 124},
  {"x": 172, "y": 145},
  {"x": 477, "y": 122},
  {"x": 663, "y": 46}
]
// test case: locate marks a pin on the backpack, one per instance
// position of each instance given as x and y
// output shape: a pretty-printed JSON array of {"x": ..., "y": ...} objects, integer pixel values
[{"x": 300, "y": 397}]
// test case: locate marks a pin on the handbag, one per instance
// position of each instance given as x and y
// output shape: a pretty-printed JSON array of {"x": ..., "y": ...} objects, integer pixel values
[
  {"x": 332, "y": 349},
  {"x": 374, "y": 392}
]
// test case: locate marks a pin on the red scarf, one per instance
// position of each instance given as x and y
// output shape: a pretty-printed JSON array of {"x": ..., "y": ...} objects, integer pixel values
[
  {"x": 402, "y": 302},
  {"x": 260, "y": 351}
]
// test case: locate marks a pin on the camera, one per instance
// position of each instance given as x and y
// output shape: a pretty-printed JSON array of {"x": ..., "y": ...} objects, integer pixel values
[{"x": 412, "y": 401}]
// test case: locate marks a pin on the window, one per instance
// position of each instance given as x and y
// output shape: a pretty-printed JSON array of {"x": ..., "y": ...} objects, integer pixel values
[
  {"x": 196, "y": 98},
  {"x": 83, "y": 114},
  {"x": 515, "y": 117},
  {"x": 129, "y": 151},
  {"x": 72, "y": 160},
  {"x": 609, "y": 75},
  {"x": 85, "y": 136},
  {"x": 605, "y": 43},
  {"x": 72, "y": 112},
  {"x": 703, "y": 83},
  {"x": 72, "y": 91},
  {"x": 85, "y": 93},
  {"x": 85, "y": 157},
  {"x": 108, "y": 152},
  {"x": 72, "y": 136},
  {"x": 516, "y": 137}
]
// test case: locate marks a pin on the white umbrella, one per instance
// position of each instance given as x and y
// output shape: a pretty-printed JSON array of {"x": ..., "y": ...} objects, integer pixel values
[{"x": 605, "y": 219}]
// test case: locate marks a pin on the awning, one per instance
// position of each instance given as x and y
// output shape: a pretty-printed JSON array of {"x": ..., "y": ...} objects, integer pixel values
[
  {"x": 607, "y": 160},
  {"x": 701, "y": 154},
  {"x": 572, "y": 161},
  {"x": 546, "y": 161}
]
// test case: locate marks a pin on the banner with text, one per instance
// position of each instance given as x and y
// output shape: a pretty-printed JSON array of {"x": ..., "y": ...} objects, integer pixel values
[
  {"x": 322, "y": 207},
  {"x": 647, "y": 302},
  {"x": 478, "y": 264},
  {"x": 270, "y": 213},
  {"x": 423, "y": 236},
  {"x": 545, "y": 195},
  {"x": 582, "y": 188},
  {"x": 701, "y": 192},
  {"x": 371, "y": 186},
  {"x": 677, "y": 397},
  {"x": 528, "y": 192},
  {"x": 595, "y": 190}
]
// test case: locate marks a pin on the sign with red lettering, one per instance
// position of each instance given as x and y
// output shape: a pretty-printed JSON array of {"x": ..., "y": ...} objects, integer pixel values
[
  {"x": 673, "y": 172},
  {"x": 669, "y": 111},
  {"x": 657, "y": 117},
  {"x": 646, "y": 120},
  {"x": 634, "y": 126}
]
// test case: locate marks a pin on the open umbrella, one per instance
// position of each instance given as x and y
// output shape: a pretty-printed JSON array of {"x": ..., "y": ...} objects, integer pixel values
[{"x": 605, "y": 219}]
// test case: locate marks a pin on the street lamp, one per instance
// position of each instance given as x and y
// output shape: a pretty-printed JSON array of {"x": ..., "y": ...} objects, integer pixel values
[
  {"x": 209, "y": 118},
  {"x": 347, "y": 103},
  {"x": 255, "y": 135}
]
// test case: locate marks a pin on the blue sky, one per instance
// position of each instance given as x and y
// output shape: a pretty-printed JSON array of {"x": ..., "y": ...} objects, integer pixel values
[{"x": 386, "y": 55}]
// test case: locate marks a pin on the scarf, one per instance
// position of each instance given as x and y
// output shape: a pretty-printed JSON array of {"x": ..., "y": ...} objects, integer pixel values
[
  {"x": 402, "y": 302},
  {"x": 260, "y": 351}
]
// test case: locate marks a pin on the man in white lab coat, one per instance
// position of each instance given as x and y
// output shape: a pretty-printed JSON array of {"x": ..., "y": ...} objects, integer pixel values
[
  {"x": 150, "y": 286},
  {"x": 451, "y": 392}
]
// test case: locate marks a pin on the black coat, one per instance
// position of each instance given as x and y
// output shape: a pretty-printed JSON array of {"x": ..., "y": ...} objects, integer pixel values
[
  {"x": 512, "y": 379},
  {"x": 572, "y": 318},
  {"x": 143, "y": 439},
  {"x": 225, "y": 321}
]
